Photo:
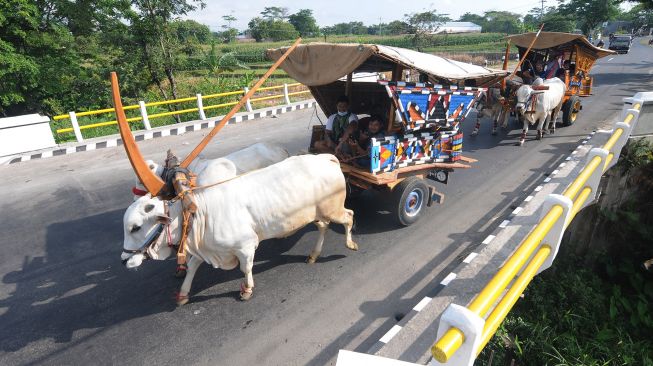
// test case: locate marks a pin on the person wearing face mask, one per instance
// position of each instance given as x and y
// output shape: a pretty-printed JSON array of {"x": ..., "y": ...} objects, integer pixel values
[{"x": 335, "y": 126}]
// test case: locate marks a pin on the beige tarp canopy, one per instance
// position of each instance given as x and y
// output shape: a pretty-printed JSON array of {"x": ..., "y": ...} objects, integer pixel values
[
  {"x": 554, "y": 39},
  {"x": 323, "y": 63}
]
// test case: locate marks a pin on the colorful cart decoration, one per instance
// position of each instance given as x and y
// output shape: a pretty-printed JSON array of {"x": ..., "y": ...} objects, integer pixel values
[{"x": 430, "y": 117}]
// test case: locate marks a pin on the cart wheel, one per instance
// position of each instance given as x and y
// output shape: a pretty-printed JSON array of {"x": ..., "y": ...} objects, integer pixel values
[
  {"x": 409, "y": 200},
  {"x": 570, "y": 110}
]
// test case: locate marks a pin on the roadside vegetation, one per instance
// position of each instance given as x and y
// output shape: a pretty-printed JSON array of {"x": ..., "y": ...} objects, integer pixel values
[
  {"x": 55, "y": 55},
  {"x": 595, "y": 305}
]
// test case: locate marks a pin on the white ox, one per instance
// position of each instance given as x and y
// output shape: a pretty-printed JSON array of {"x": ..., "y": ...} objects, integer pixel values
[
  {"x": 536, "y": 106},
  {"x": 259, "y": 155},
  {"x": 233, "y": 217}
]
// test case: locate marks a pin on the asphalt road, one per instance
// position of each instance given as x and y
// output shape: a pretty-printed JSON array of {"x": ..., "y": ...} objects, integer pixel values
[{"x": 65, "y": 298}]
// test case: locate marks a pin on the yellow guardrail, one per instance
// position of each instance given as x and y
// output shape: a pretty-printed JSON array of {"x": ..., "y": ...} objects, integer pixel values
[
  {"x": 578, "y": 193},
  {"x": 167, "y": 102}
]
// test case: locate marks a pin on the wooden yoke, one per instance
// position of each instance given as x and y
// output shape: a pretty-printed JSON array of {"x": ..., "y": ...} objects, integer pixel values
[
  {"x": 151, "y": 181},
  {"x": 243, "y": 100}
]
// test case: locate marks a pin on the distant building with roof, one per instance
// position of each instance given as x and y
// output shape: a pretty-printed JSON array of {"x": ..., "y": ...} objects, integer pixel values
[{"x": 458, "y": 27}]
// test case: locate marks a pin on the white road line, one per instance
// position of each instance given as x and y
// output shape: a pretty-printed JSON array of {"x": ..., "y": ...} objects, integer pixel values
[
  {"x": 391, "y": 333},
  {"x": 562, "y": 165},
  {"x": 504, "y": 224},
  {"x": 489, "y": 239},
  {"x": 528, "y": 199},
  {"x": 450, "y": 277},
  {"x": 420, "y": 305},
  {"x": 555, "y": 172},
  {"x": 538, "y": 188},
  {"x": 611, "y": 58},
  {"x": 470, "y": 257},
  {"x": 517, "y": 210},
  {"x": 547, "y": 180}
]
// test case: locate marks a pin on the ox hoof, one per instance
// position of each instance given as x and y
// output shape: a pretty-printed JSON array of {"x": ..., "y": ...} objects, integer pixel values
[
  {"x": 352, "y": 245},
  {"x": 246, "y": 292},
  {"x": 521, "y": 142},
  {"x": 181, "y": 299},
  {"x": 539, "y": 135},
  {"x": 311, "y": 259},
  {"x": 552, "y": 131}
]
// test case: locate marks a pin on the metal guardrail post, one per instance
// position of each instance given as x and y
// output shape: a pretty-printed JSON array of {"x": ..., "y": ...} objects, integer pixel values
[
  {"x": 78, "y": 132},
  {"x": 285, "y": 94},
  {"x": 554, "y": 237},
  {"x": 248, "y": 104},
  {"x": 472, "y": 327},
  {"x": 143, "y": 109},
  {"x": 200, "y": 107}
]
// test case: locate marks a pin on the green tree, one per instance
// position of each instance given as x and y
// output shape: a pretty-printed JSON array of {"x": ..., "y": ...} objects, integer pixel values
[
  {"x": 275, "y": 13},
  {"x": 553, "y": 20},
  {"x": 304, "y": 23},
  {"x": 280, "y": 31},
  {"x": 502, "y": 22},
  {"x": 186, "y": 30},
  {"x": 397, "y": 27},
  {"x": 151, "y": 27},
  {"x": 590, "y": 13},
  {"x": 424, "y": 24},
  {"x": 474, "y": 18},
  {"x": 258, "y": 28}
]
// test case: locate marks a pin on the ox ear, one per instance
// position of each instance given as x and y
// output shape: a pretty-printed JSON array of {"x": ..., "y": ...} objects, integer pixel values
[{"x": 162, "y": 219}]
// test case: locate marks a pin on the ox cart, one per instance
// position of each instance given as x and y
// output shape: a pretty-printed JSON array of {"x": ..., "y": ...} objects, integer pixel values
[
  {"x": 423, "y": 139},
  {"x": 572, "y": 52}
]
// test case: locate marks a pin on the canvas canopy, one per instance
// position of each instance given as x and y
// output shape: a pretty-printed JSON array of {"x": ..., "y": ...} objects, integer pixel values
[
  {"x": 548, "y": 40},
  {"x": 323, "y": 63}
]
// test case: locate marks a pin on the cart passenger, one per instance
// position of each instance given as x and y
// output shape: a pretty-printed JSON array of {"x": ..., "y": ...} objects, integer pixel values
[
  {"x": 343, "y": 150},
  {"x": 363, "y": 144},
  {"x": 335, "y": 126}
]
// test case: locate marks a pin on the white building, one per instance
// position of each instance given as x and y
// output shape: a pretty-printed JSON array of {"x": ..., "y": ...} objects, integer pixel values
[{"x": 458, "y": 27}]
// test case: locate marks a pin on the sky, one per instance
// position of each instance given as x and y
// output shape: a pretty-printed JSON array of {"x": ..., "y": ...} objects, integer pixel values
[{"x": 369, "y": 12}]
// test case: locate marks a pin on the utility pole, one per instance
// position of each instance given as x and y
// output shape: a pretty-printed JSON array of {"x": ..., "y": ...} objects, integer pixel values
[{"x": 542, "y": 11}]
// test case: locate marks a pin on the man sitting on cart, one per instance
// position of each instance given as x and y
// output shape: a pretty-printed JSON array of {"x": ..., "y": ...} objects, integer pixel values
[{"x": 335, "y": 126}]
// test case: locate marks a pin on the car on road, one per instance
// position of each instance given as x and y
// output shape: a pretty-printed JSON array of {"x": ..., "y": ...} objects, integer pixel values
[{"x": 620, "y": 44}]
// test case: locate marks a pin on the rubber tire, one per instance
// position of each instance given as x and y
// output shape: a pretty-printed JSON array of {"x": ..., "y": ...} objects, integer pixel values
[
  {"x": 400, "y": 194},
  {"x": 567, "y": 110}
]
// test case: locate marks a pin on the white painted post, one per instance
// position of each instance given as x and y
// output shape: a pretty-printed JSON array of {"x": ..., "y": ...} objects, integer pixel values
[
  {"x": 248, "y": 105},
  {"x": 616, "y": 148},
  {"x": 595, "y": 179},
  {"x": 554, "y": 236},
  {"x": 78, "y": 132},
  {"x": 146, "y": 121},
  {"x": 200, "y": 107},
  {"x": 285, "y": 94},
  {"x": 472, "y": 327}
]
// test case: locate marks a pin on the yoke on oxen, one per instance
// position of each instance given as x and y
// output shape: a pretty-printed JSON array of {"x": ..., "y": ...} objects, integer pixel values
[{"x": 176, "y": 181}]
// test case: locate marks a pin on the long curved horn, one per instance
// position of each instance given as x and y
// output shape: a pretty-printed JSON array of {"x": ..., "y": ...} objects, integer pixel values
[
  {"x": 193, "y": 154},
  {"x": 151, "y": 181}
]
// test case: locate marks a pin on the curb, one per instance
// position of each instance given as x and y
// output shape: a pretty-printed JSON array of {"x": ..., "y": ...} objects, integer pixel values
[
  {"x": 170, "y": 130},
  {"x": 395, "y": 329}
]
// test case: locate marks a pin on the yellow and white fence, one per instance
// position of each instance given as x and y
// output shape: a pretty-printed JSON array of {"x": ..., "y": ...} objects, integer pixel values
[
  {"x": 464, "y": 331},
  {"x": 200, "y": 109}
]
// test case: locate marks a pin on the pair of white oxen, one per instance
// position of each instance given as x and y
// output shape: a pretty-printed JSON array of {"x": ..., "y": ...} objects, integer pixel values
[
  {"x": 535, "y": 104},
  {"x": 264, "y": 194}
]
